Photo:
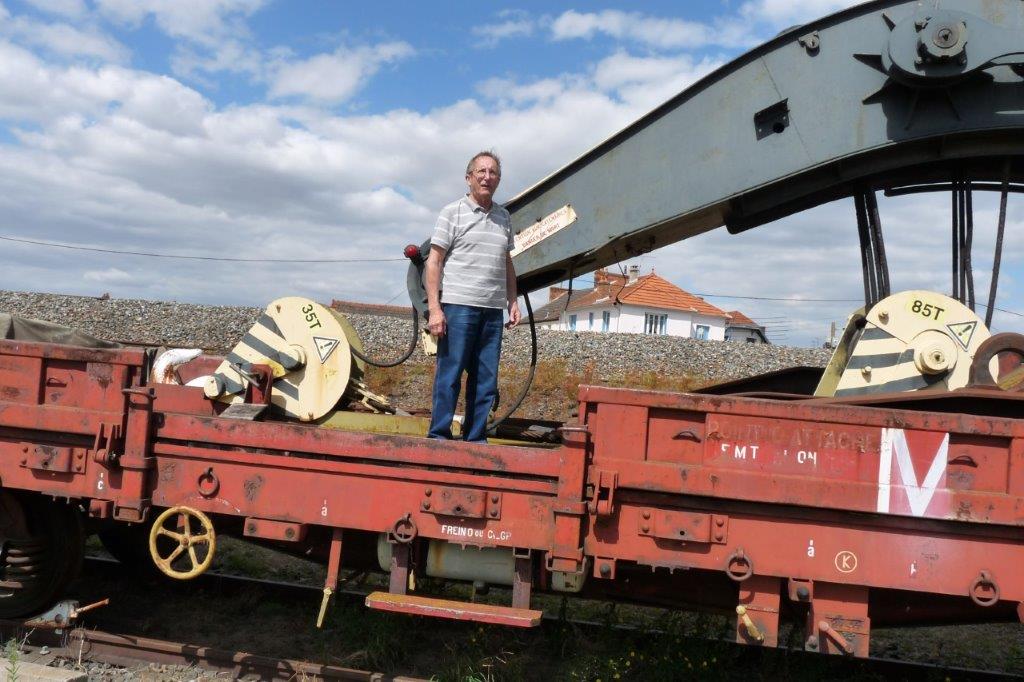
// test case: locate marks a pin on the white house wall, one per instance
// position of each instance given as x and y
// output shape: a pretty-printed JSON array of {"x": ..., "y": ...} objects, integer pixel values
[{"x": 630, "y": 319}]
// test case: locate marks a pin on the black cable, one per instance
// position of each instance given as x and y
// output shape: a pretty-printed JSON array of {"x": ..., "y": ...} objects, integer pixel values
[
  {"x": 970, "y": 245},
  {"x": 879, "y": 243},
  {"x": 955, "y": 223},
  {"x": 412, "y": 346},
  {"x": 962, "y": 235},
  {"x": 997, "y": 259},
  {"x": 209, "y": 258},
  {"x": 865, "y": 250},
  {"x": 529, "y": 375}
]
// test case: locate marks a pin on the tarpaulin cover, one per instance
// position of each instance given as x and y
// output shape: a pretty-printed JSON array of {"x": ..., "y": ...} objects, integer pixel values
[{"x": 27, "y": 329}]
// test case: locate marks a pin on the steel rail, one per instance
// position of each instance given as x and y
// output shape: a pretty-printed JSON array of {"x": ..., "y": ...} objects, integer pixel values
[
  {"x": 886, "y": 667},
  {"x": 80, "y": 644}
]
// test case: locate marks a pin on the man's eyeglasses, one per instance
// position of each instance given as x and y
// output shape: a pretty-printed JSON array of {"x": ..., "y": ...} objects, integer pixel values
[{"x": 484, "y": 172}]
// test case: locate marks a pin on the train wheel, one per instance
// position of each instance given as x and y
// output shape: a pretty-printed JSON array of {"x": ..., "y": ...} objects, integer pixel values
[{"x": 41, "y": 547}]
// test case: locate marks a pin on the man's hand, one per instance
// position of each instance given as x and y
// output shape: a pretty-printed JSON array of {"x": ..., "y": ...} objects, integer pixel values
[
  {"x": 513, "y": 315},
  {"x": 436, "y": 324}
]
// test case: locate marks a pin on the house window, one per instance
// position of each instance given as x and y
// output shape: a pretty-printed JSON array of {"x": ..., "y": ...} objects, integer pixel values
[
  {"x": 572, "y": 323},
  {"x": 655, "y": 323},
  {"x": 700, "y": 331},
  {"x": 606, "y": 318},
  {"x": 591, "y": 327}
]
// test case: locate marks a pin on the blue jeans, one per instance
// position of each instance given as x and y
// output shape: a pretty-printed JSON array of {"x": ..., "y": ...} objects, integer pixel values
[{"x": 472, "y": 344}]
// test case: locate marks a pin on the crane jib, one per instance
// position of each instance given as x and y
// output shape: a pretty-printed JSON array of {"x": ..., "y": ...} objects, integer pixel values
[{"x": 882, "y": 95}]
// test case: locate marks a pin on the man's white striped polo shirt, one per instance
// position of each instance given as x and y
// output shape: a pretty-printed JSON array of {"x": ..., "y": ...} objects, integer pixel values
[{"x": 476, "y": 243}]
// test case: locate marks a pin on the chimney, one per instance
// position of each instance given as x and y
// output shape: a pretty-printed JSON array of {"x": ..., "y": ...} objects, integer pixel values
[
  {"x": 634, "y": 272},
  {"x": 600, "y": 276}
]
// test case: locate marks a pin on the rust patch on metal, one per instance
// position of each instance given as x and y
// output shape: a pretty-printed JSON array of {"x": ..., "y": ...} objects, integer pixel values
[
  {"x": 101, "y": 372},
  {"x": 10, "y": 392},
  {"x": 252, "y": 487},
  {"x": 168, "y": 472}
]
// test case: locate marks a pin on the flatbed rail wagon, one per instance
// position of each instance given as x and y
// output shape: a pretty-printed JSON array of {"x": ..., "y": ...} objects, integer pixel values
[{"x": 839, "y": 514}]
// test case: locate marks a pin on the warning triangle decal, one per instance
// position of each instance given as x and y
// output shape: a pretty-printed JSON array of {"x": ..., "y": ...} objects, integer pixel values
[
  {"x": 963, "y": 332},
  {"x": 324, "y": 347}
]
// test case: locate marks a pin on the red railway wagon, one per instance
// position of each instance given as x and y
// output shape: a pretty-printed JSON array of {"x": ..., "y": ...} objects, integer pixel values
[{"x": 838, "y": 515}]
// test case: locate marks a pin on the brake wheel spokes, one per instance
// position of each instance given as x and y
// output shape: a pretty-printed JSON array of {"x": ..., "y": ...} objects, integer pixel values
[{"x": 184, "y": 541}]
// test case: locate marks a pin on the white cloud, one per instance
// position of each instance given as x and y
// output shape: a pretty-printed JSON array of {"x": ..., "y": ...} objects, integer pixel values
[
  {"x": 646, "y": 82},
  {"x": 509, "y": 91},
  {"x": 108, "y": 275},
  {"x": 754, "y": 22},
  {"x": 785, "y": 13},
  {"x": 653, "y": 31},
  {"x": 230, "y": 56},
  {"x": 337, "y": 76},
  {"x": 512, "y": 24},
  {"x": 63, "y": 39},
  {"x": 65, "y": 8},
  {"x": 640, "y": 82},
  {"x": 205, "y": 22}
]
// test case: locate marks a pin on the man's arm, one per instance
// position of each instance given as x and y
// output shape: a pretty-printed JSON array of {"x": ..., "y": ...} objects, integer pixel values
[
  {"x": 432, "y": 278},
  {"x": 512, "y": 292}
]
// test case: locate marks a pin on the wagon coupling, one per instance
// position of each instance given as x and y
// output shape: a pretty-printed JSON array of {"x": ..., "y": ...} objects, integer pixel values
[{"x": 166, "y": 545}]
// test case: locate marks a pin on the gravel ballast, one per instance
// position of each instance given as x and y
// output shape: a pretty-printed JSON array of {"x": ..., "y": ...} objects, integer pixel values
[{"x": 216, "y": 329}]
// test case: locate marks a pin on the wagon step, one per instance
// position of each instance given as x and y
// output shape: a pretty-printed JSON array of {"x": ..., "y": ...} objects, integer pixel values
[{"x": 455, "y": 610}]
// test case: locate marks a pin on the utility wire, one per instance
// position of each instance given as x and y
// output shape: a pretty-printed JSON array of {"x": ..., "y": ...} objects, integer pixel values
[{"x": 207, "y": 258}]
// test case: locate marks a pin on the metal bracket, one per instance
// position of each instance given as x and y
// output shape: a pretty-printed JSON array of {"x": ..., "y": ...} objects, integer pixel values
[
  {"x": 811, "y": 42},
  {"x": 52, "y": 458},
  {"x": 104, "y": 443},
  {"x": 461, "y": 502},
  {"x": 772, "y": 120},
  {"x": 800, "y": 590},
  {"x": 275, "y": 530},
  {"x": 683, "y": 526},
  {"x": 603, "y": 502}
]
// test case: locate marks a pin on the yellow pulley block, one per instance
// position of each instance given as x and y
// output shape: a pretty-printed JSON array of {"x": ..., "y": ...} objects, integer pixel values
[
  {"x": 909, "y": 341},
  {"x": 309, "y": 350},
  {"x": 198, "y": 547}
]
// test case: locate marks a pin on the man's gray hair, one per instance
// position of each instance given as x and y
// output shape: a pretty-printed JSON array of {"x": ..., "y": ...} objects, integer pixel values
[{"x": 486, "y": 152}]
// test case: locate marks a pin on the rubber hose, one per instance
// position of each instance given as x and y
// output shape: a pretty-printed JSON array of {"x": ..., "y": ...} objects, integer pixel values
[{"x": 412, "y": 347}]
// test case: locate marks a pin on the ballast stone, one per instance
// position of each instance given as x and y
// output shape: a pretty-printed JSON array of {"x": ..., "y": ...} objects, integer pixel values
[
  {"x": 217, "y": 329},
  {"x": 23, "y": 670}
]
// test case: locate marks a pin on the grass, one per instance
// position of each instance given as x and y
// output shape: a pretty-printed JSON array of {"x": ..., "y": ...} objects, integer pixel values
[
  {"x": 553, "y": 393},
  {"x": 12, "y": 652}
]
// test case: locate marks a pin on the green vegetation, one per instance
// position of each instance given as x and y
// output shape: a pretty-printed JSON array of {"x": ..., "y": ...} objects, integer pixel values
[{"x": 552, "y": 395}]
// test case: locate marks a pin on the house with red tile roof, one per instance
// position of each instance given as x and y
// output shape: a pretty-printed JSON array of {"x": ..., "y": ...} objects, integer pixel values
[
  {"x": 742, "y": 328},
  {"x": 633, "y": 303}
]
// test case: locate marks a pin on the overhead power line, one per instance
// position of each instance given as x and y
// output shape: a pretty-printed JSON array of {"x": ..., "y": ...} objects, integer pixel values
[{"x": 75, "y": 247}]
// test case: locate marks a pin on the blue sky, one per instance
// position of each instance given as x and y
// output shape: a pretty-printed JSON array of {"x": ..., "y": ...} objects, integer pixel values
[{"x": 260, "y": 129}]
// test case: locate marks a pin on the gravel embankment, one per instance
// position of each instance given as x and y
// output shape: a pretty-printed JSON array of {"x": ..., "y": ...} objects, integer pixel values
[{"x": 217, "y": 329}]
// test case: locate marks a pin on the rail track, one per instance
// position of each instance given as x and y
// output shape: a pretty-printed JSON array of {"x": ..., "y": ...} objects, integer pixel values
[
  {"x": 80, "y": 645},
  {"x": 119, "y": 647}
]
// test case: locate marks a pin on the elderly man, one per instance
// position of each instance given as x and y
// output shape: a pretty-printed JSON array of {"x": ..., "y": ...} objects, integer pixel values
[{"x": 470, "y": 281}]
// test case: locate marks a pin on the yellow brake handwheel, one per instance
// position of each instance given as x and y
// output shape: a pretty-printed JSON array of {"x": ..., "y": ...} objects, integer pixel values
[{"x": 187, "y": 542}]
